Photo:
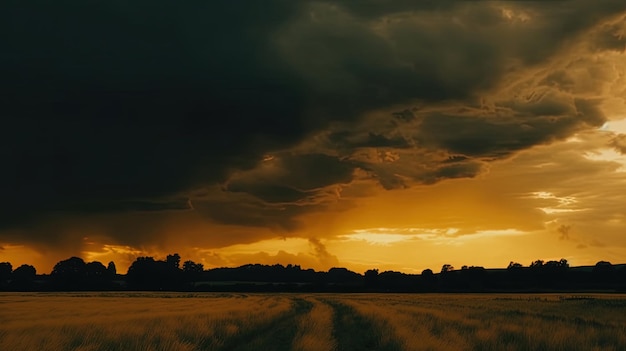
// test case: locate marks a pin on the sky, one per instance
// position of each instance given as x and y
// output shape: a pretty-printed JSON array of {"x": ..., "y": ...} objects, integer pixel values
[{"x": 390, "y": 134}]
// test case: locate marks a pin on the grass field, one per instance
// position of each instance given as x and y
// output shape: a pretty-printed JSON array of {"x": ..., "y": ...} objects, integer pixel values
[{"x": 177, "y": 321}]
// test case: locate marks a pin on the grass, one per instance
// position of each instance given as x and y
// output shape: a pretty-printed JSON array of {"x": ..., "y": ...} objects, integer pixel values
[
  {"x": 310, "y": 322},
  {"x": 314, "y": 333}
]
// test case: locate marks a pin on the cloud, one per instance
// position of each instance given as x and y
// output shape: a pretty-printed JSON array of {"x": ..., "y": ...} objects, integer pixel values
[
  {"x": 611, "y": 36},
  {"x": 306, "y": 261},
  {"x": 281, "y": 252},
  {"x": 247, "y": 210},
  {"x": 564, "y": 232},
  {"x": 320, "y": 252},
  {"x": 126, "y": 113},
  {"x": 582, "y": 191},
  {"x": 619, "y": 143},
  {"x": 510, "y": 128},
  {"x": 211, "y": 114},
  {"x": 291, "y": 178}
]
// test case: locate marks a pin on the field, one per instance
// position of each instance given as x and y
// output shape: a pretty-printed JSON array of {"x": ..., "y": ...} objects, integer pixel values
[{"x": 179, "y": 321}]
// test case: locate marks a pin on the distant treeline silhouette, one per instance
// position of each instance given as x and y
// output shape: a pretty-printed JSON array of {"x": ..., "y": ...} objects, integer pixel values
[{"x": 146, "y": 273}]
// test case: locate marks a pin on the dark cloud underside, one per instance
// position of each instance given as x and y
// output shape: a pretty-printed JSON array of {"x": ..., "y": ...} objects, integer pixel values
[{"x": 120, "y": 106}]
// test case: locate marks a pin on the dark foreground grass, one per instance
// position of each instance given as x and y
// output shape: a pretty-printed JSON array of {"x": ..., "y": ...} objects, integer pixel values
[
  {"x": 310, "y": 322},
  {"x": 354, "y": 331}
]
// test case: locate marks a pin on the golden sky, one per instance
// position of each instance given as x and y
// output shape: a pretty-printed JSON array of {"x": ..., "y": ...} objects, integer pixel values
[{"x": 397, "y": 135}]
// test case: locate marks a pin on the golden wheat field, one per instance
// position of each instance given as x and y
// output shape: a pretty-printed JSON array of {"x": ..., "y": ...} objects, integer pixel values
[{"x": 212, "y": 321}]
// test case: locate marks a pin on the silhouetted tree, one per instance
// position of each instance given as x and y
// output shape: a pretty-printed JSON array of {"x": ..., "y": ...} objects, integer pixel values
[
  {"x": 70, "y": 273},
  {"x": 292, "y": 273},
  {"x": 191, "y": 266},
  {"x": 448, "y": 279},
  {"x": 25, "y": 271},
  {"x": 111, "y": 270},
  {"x": 146, "y": 273},
  {"x": 95, "y": 270},
  {"x": 620, "y": 275},
  {"x": 96, "y": 277},
  {"x": 342, "y": 275},
  {"x": 447, "y": 268},
  {"x": 192, "y": 271},
  {"x": 472, "y": 277},
  {"x": 602, "y": 267},
  {"x": 173, "y": 260},
  {"x": 142, "y": 271},
  {"x": 556, "y": 266},
  {"x": 514, "y": 265},
  {"x": 5, "y": 271},
  {"x": 23, "y": 277},
  {"x": 371, "y": 277},
  {"x": 603, "y": 274},
  {"x": 428, "y": 280},
  {"x": 5, "y": 274},
  {"x": 552, "y": 274},
  {"x": 516, "y": 274}
]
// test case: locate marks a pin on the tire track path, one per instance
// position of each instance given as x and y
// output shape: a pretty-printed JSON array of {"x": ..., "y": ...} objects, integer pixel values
[
  {"x": 354, "y": 331},
  {"x": 315, "y": 329},
  {"x": 275, "y": 336}
]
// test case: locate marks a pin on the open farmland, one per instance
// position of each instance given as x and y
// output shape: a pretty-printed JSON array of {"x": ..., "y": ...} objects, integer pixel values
[{"x": 175, "y": 321}]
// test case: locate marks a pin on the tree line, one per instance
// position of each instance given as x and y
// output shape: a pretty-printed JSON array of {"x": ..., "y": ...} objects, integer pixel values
[{"x": 149, "y": 274}]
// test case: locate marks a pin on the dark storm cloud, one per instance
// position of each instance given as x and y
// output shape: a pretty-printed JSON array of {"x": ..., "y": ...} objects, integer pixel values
[
  {"x": 611, "y": 36},
  {"x": 110, "y": 102},
  {"x": 456, "y": 141},
  {"x": 377, "y": 8},
  {"x": 165, "y": 205},
  {"x": 408, "y": 171},
  {"x": 290, "y": 178},
  {"x": 401, "y": 51},
  {"x": 355, "y": 64},
  {"x": 619, "y": 143},
  {"x": 130, "y": 106},
  {"x": 275, "y": 192},
  {"x": 248, "y": 210},
  {"x": 347, "y": 140},
  {"x": 507, "y": 131},
  {"x": 458, "y": 170}
]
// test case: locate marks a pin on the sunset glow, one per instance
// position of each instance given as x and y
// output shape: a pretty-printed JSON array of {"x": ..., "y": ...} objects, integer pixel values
[{"x": 360, "y": 134}]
